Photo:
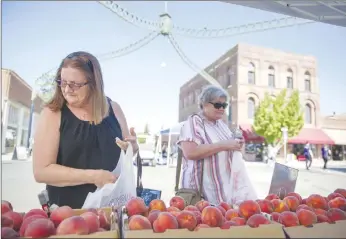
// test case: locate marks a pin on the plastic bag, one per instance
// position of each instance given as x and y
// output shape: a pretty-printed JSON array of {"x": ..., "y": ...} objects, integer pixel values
[
  {"x": 118, "y": 193},
  {"x": 240, "y": 185}
]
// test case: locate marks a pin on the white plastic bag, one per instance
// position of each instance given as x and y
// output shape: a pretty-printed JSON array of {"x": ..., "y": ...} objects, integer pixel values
[
  {"x": 118, "y": 193},
  {"x": 240, "y": 186}
]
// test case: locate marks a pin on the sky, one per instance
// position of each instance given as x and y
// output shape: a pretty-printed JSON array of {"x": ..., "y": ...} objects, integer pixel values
[{"x": 37, "y": 35}]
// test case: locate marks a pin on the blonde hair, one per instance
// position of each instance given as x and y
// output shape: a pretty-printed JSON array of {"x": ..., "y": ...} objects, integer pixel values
[{"x": 90, "y": 66}]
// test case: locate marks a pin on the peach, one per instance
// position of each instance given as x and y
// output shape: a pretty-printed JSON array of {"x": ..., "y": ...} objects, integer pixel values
[
  {"x": 174, "y": 213},
  {"x": 231, "y": 213},
  {"x": 239, "y": 221},
  {"x": 291, "y": 202},
  {"x": 341, "y": 191},
  {"x": 272, "y": 196},
  {"x": 170, "y": 209},
  {"x": 6, "y": 221},
  {"x": 60, "y": 214},
  {"x": 222, "y": 210},
  {"x": 153, "y": 216},
  {"x": 27, "y": 221},
  {"x": 306, "y": 207},
  {"x": 319, "y": 211},
  {"x": 198, "y": 216},
  {"x": 338, "y": 202},
  {"x": 279, "y": 205},
  {"x": 92, "y": 220},
  {"x": 289, "y": 219},
  {"x": 202, "y": 204},
  {"x": 248, "y": 208},
  {"x": 322, "y": 218},
  {"x": 304, "y": 201},
  {"x": 35, "y": 212},
  {"x": 295, "y": 195},
  {"x": 104, "y": 220},
  {"x": 336, "y": 214},
  {"x": 177, "y": 202},
  {"x": 201, "y": 226},
  {"x": 265, "y": 205},
  {"x": 225, "y": 206},
  {"x": 165, "y": 221},
  {"x": 136, "y": 206},
  {"x": 139, "y": 222},
  {"x": 306, "y": 217},
  {"x": 256, "y": 220},
  {"x": 187, "y": 219},
  {"x": 40, "y": 228},
  {"x": 334, "y": 195},
  {"x": 316, "y": 201},
  {"x": 7, "y": 233},
  {"x": 5, "y": 208},
  {"x": 191, "y": 208},
  {"x": 73, "y": 225},
  {"x": 17, "y": 219},
  {"x": 212, "y": 216},
  {"x": 275, "y": 216},
  {"x": 157, "y": 204},
  {"x": 8, "y": 204},
  {"x": 93, "y": 210},
  {"x": 228, "y": 224}
]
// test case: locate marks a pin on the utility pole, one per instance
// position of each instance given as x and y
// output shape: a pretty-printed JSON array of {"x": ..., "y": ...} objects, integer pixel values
[{"x": 32, "y": 108}]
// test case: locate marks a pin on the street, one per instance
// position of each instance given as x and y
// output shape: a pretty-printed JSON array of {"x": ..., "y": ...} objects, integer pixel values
[{"x": 20, "y": 188}]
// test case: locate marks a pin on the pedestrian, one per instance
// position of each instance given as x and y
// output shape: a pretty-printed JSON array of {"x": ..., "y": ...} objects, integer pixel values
[
  {"x": 308, "y": 155},
  {"x": 80, "y": 134},
  {"x": 325, "y": 155}
]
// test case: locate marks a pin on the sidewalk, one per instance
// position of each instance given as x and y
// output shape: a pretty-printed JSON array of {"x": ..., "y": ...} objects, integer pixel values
[{"x": 7, "y": 158}]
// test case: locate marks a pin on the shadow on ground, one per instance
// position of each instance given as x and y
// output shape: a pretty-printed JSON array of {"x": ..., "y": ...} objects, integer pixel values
[{"x": 342, "y": 170}]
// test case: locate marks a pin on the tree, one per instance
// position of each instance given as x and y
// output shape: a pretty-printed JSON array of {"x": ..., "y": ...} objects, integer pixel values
[
  {"x": 146, "y": 129},
  {"x": 274, "y": 114}
]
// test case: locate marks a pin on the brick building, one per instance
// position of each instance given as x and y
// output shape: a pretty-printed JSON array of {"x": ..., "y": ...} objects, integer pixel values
[
  {"x": 15, "y": 110},
  {"x": 247, "y": 72}
]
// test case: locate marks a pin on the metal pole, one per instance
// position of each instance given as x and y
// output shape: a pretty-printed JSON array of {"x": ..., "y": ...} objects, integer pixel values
[{"x": 32, "y": 108}]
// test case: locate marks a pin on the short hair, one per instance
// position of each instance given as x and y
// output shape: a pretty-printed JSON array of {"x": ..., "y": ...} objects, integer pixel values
[{"x": 210, "y": 93}]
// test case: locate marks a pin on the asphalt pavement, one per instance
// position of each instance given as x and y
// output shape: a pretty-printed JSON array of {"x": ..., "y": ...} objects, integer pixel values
[{"x": 19, "y": 187}]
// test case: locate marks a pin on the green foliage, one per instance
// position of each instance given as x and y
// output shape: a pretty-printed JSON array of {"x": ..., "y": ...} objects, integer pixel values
[{"x": 274, "y": 114}]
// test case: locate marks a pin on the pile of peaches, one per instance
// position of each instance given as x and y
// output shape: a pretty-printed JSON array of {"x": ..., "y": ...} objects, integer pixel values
[
  {"x": 62, "y": 221},
  {"x": 289, "y": 211}
]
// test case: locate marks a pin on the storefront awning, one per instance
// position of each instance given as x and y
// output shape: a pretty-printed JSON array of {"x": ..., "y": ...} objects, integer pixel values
[
  {"x": 337, "y": 135},
  {"x": 249, "y": 134},
  {"x": 311, "y": 135}
]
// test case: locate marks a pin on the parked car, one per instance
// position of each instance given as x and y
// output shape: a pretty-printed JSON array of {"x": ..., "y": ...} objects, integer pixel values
[{"x": 146, "y": 149}]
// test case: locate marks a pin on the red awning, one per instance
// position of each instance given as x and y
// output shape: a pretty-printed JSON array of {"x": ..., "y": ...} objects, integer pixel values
[
  {"x": 311, "y": 135},
  {"x": 249, "y": 134}
]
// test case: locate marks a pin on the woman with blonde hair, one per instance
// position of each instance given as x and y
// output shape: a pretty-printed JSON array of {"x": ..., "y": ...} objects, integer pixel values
[
  {"x": 207, "y": 144},
  {"x": 75, "y": 149}
]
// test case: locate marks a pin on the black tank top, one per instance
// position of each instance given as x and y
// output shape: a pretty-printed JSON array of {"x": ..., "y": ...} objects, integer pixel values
[{"x": 84, "y": 146}]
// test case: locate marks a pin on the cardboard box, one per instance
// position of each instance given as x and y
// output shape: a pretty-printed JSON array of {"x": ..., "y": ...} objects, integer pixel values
[
  {"x": 264, "y": 231},
  {"x": 319, "y": 230}
]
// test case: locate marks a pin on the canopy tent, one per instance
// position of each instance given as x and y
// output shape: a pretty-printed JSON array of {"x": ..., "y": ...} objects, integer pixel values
[
  {"x": 330, "y": 12},
  {"x": 168, "y": 132}
]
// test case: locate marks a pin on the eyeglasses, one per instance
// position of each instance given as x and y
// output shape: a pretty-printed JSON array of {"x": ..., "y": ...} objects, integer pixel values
[
  {"x": 71, "y": 85},
  {"x": 219, "y": 105}
]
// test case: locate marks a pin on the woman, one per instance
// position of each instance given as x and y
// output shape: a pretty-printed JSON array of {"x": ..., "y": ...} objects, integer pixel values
[
  {"x": 75, "y": 149},
  {"x": 206, "y": 136}
]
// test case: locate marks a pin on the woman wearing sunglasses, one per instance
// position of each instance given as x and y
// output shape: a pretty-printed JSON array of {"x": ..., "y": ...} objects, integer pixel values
[
  {"x": 75, "y": 149},
  {"x": 206, "y": 139}
]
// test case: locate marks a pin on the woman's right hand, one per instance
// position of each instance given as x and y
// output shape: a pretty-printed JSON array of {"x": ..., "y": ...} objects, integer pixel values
[
  {"x": 233, "y": 144},
  {"x": 102, "y": 177}
]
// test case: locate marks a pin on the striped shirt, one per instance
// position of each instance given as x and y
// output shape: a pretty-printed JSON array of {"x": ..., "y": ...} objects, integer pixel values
[{"x": 217, "y": 168}]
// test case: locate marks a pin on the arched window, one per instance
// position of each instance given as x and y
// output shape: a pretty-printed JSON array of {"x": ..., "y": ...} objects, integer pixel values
[
  {"x": 250, "y": 108},
  {"x": 307, "y": 81},
  {"x": 251, "y": 74},
  {"x": 289, "y": 79},
  {"x": 308, "y": 114},
  {"x": 271, "y": 77}
]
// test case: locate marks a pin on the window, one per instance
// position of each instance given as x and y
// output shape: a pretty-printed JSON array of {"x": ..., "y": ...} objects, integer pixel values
[
  {"x": 230, "y": 112},
  {"x": 308, "y": 119},
  {"x": 229, "y": 75},
  {"x": 271, "y": 77},
  {"x": 307, "y": 77},
  {"x": 251, "y": 74},
  {"x": 13, "y": 115},
  {"x": 289, "y": 79},
  {"x": 251, "y": 108}
]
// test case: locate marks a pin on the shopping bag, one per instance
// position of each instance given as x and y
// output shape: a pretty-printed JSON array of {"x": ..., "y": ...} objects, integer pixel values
[
  {"x": 119, "y": 193},
  {"x": 240, "y": 186}
]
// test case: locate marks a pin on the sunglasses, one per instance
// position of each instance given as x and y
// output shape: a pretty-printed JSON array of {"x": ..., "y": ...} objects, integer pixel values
[{"x": 219, "y": 105}]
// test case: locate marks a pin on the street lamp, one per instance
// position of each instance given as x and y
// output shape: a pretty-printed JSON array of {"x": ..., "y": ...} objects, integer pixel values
[
  {"x": 32, "y": 108},
  {"x": 284, "y": 137}
]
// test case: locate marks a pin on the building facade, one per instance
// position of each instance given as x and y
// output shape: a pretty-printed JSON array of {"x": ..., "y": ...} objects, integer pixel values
[
  {"x": 249, "y": 72},
  {"x": 15, "y": 109}
]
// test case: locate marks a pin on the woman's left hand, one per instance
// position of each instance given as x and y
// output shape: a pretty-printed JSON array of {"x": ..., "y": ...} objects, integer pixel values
[{"x": 132, "y": 138}]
